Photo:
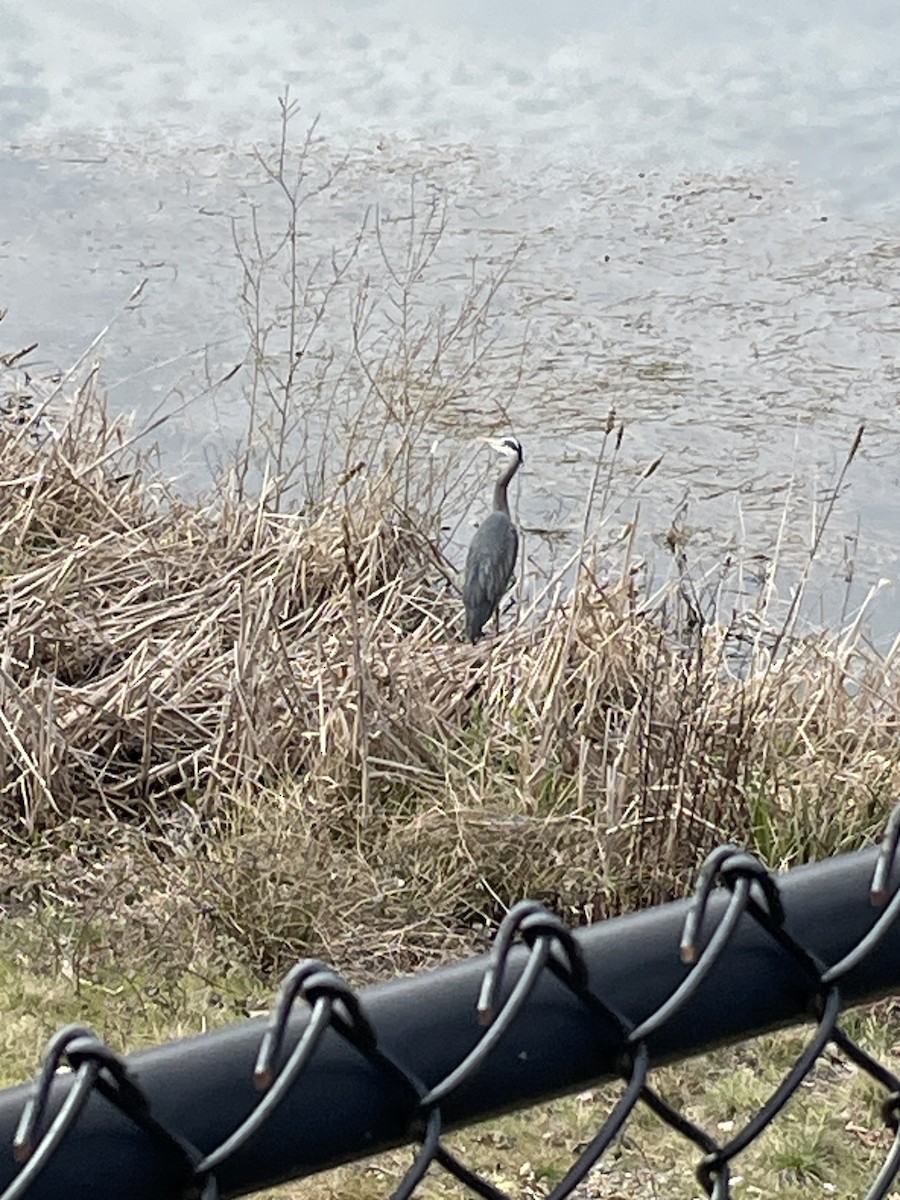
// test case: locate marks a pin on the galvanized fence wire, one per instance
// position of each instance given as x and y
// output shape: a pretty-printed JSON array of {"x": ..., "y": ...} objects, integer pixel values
[{"x": 753, "y": 894}]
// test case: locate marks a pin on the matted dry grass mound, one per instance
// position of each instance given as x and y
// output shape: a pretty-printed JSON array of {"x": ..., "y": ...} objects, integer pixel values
[{"x": 282, "y": 707}]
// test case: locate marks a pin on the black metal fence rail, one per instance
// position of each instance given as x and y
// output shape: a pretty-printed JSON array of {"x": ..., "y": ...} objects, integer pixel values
[{"x": 345, "y": 1075}]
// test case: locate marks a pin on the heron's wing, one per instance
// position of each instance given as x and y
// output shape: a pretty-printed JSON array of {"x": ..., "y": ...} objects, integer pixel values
[{"x": 490, "y": 565}]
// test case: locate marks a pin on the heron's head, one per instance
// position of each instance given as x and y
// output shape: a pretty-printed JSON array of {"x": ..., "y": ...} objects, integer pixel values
[{"x": 507, "y": 445}]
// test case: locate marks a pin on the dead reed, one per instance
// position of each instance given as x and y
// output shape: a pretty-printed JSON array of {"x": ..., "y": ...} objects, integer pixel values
[{"x": 267, "y": 724}]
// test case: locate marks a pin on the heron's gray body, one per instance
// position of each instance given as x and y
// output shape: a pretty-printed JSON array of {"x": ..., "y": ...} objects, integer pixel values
[
  {"x": 490, "y": 564},
  {"x": 491, "y": 561}
]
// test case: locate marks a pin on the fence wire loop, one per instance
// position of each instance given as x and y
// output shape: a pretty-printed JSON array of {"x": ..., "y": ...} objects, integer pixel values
[
  {"x": 545, "y": 929},
  {"x": 746, "y": 871},
  {"x": 333, "y": 1004},
  {"x": 745, "y": 866},
  {"x": 532, "y": 921},
  {"x": 318, "y": 984},
  {"x": 887, "y": 857},
  {"x": 96, "y": 1068},
  {"x": 54, "y": 1057},
  {"x": 727, "y": 865},
  {"x": 878, "y": 895}
]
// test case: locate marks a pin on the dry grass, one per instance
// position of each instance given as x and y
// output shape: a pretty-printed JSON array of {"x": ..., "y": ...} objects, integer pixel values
[{"x": 273, "y": 714}]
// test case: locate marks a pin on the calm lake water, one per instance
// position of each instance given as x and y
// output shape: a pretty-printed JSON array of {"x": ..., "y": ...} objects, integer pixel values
[{"x": 691, "y": 213}]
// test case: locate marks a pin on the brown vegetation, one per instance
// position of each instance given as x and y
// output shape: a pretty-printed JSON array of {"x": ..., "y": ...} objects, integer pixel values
[{"x": 264, "y": 729}]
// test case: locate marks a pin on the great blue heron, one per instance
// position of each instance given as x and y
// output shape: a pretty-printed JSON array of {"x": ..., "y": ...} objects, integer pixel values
[{"x": 491, "y": 560}]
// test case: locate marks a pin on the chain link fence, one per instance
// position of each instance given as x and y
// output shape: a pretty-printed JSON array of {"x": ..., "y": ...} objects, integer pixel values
[{"x": 549, "y": 1011}]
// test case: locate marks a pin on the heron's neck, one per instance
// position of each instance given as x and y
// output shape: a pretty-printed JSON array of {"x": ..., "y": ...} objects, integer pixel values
[{"x": 501, "y": 504}]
